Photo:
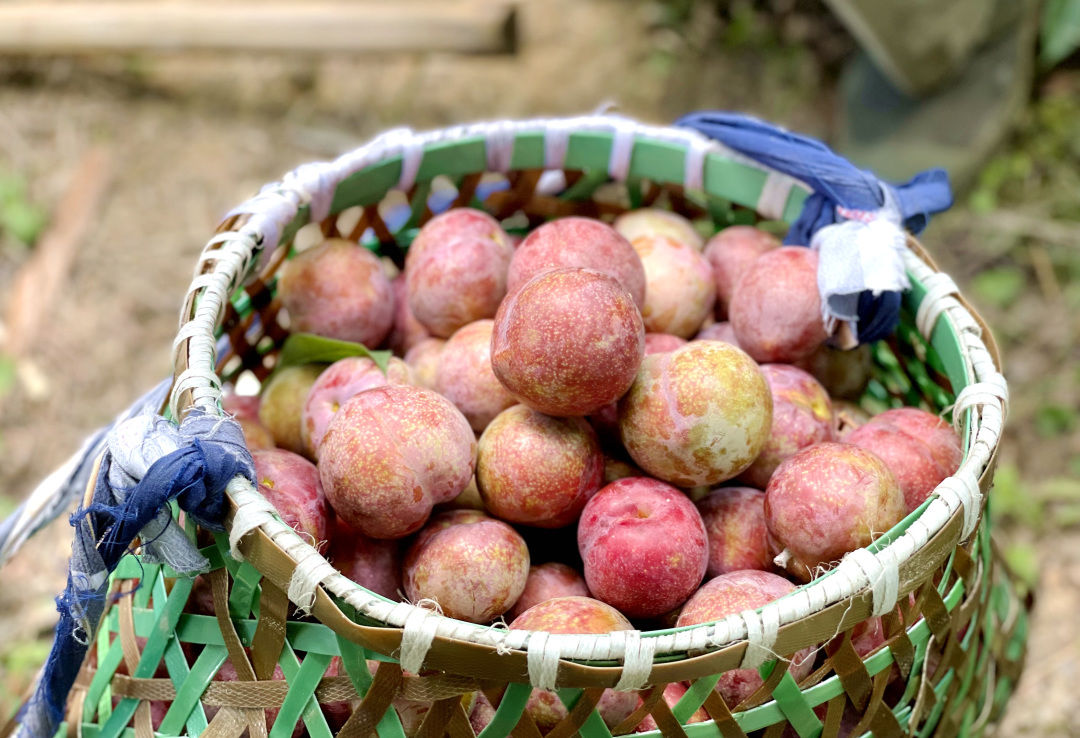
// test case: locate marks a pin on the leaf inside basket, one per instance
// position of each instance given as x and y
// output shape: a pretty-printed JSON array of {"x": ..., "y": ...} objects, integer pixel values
[{"x": 308, "y": 348}]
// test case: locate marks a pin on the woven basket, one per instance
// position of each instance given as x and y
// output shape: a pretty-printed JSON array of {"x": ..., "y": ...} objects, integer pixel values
[{"x": 954, "y": 649}]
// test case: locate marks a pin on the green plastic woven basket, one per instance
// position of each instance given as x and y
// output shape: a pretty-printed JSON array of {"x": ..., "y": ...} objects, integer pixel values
[{"x": 954, "y": 650}]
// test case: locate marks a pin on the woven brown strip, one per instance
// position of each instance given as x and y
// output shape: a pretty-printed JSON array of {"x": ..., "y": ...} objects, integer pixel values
[
  {"x": 851, "y": 671},
  {"x": 903, "y": 650},
  {"x": 73, "y": 714},
  {"x": 882, "y": 720},
  {"x": 228, "y": 723},
  {"x": 834, "y": 715},
  {"x": 654, "y": 695},
  {"x": 934, "y": 612},
  {"x": 382, "y": 232},
  {"x": 362, "y": 224},
  {"x": 666, "y": 722},
  {"x": 437, "y": 686},
  {"x": 144, "y": 728},
  {"x": 158, "y": 690},
  {"x": 269, "y": 636},
  {"x": 384, "y": 687},
  {"x": 246, "y": 695},
  {"x": 126, "y": 622},
  {"x": 764, "y": 693},
  {"x": 459, "y": 726},
  {"x": 570, "y": 724},
  {"x": 467, "y": 189},
  {"x": 817, "y": 675},
  {"x": 721, "y": 715},
  {"x": 776, "y": 730},
  {"x": 219, "y": 589},
  {"x": 438, "y": 718},
  {"x": 336, "y": 689}
]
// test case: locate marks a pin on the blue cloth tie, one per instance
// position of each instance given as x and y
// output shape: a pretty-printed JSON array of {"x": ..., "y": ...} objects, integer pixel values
[
  {"x": 210, "y": 452},
  {"x": 835, "y": 183}
]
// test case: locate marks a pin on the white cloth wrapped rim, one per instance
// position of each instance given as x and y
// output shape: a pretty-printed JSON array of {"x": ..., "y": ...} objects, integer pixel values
[{"x": 228, "y": 256}]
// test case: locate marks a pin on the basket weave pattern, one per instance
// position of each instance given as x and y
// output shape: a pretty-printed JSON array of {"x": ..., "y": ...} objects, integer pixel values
[{"x": 954, "y": 649}]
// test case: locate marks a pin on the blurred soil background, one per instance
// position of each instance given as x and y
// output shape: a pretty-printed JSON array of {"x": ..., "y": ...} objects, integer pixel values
[{"x": 178, "y": 139}]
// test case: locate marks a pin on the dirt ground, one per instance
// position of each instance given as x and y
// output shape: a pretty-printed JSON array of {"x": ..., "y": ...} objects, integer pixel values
[{"x": 188, "y": 137}]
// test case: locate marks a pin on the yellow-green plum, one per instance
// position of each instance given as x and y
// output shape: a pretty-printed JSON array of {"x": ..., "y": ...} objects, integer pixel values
[
  {"x": 698, "y": 415},
  {"x": 679, "y": 286},
  {"x": 283, "y": 397},
  {"x": 657, "y": 222}
]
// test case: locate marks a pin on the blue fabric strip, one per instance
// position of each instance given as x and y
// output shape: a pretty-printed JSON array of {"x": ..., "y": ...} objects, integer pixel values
[{"x": 835, "y": 182}]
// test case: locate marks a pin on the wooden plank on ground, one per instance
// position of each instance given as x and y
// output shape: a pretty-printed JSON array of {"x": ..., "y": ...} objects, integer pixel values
[
  {"x": 39, "y": 280},
  {"x": 466, "y": 26}
]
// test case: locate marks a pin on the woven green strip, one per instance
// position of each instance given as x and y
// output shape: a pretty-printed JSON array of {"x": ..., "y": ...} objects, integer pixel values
[
  {"x": 354, "y": 660},
  {"x": 244, "y": 597},
  {"x": 99, "y": 695},
  {"x": 177, "y": 667},
  {"x": 165, "y": 616},
  {"x": 793, "y": 703},
  {"x": 694, "y": 698},
  {"x": 186, "y": 706},
  {"x": 585, "y": 187},
  {"x": 303, "y": 678},
  {"x": 419, "y": 204},
  {"x": 594, "y": 726},
  {"x": 508, "y": 712}
]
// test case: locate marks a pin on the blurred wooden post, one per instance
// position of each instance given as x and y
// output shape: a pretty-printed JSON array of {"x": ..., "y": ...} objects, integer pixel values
[{"x": 464, "y": 26}]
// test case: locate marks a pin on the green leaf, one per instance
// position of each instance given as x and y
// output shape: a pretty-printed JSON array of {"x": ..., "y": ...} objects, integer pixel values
[
  {"x": 1059, "y": 32},
  {"x": 308, "y": 348}
]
